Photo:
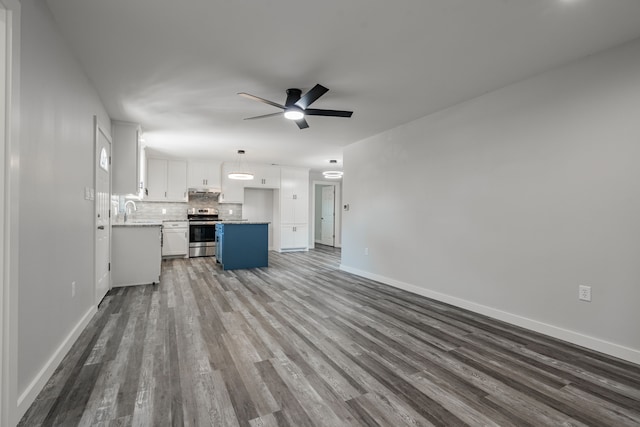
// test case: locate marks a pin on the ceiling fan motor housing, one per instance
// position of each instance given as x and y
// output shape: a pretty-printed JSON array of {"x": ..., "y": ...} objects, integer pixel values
[{"x": 293, "y": 95}]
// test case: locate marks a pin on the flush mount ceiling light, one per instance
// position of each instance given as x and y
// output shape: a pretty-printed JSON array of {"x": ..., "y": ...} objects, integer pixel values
[{"x": 245, "y": 176}]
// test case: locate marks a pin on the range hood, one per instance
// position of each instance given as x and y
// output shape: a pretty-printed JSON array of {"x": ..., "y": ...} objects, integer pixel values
[{"x": 205, "y": 191}]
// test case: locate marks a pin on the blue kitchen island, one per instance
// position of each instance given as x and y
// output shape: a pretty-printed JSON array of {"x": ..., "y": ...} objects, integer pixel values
[{"x": 242, "y": 244}]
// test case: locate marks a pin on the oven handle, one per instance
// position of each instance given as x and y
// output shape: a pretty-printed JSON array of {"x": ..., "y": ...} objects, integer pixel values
[{"x": 203, "y": 222}]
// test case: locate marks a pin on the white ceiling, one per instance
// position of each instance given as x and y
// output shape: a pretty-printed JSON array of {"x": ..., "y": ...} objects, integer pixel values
[{"x": 176, "y": 67}]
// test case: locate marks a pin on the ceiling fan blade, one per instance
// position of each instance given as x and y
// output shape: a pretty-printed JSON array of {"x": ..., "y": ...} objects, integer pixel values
[
  {"x": 257, "y": 98},
  {"x": 302, "y": 123},
  {"x": 329, "y": 113},
  {"x": 265, "y": 116},
  {"x": 310, "y": 97}
]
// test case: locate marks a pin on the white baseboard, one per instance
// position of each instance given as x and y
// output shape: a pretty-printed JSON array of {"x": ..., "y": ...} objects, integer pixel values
[
  {"x": 612, "y": 349},
  {"x": 29, "y": 395}
]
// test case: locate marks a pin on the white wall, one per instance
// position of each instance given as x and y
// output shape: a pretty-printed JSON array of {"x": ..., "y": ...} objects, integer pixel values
[
  {"x": 506, "y": 203},
  {"x": 56, "y": 223}
]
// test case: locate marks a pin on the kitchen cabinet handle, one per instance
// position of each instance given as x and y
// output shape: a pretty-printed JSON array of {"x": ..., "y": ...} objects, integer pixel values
[{"x": 101, "y": 227}]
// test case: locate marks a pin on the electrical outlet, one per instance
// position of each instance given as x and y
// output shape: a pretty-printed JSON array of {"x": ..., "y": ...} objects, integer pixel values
[
  {"x": 230, "y": 211},
  {"x": 584, "y": 293},
  {"x": 366, "y": 251},
  {"x": 164, "y": 211},
  {"x": 73, "y": 289}
]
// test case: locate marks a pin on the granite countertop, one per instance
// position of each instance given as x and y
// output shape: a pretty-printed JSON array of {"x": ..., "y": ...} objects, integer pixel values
[{"x": 138, "y": 224}]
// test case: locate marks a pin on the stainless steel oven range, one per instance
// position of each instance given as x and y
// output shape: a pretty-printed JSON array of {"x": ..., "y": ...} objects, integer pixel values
[{"x": 202, "y": 231}]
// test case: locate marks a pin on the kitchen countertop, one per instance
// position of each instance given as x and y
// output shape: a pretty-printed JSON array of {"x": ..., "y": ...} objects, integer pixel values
[{"x": 138, "y": 224}]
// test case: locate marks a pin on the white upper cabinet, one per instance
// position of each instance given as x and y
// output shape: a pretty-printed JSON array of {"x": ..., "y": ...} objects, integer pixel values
[
  {"x": 166, "y": 180},
  {"x": 294, "y": 183},
  {"x": 264, "y": 176},
  {"x": 232, "y": 190},
  {"x": 204, "y": 175},
  {"x": 126, "y": 158}
]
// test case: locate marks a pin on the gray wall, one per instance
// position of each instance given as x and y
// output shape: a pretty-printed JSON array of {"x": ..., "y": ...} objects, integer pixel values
[
  {"x": 506, "y": 203},
  {"x": 56, "y": 164}
]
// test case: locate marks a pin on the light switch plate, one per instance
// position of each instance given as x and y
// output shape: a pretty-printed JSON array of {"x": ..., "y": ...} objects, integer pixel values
[{"x": 584, "y": 293}]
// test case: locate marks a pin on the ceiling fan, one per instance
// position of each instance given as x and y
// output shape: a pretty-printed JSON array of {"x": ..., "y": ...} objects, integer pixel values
[{"x": 296, "y": 106}]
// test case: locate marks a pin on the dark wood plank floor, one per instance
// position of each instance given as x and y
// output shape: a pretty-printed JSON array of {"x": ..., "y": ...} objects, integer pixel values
[{"x": 303, "y": 344}]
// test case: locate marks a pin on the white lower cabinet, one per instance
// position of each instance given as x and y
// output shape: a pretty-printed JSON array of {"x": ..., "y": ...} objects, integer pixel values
[
  {"x": 136, "y": 258},
  {"x": 294, "y": 237}
]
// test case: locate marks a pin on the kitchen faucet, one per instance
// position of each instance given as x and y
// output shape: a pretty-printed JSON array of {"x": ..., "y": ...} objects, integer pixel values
[{"x": 125, "y": 208}]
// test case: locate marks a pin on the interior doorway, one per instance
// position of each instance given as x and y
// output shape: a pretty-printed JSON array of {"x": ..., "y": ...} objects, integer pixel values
[{"x": 326, "y": 217}]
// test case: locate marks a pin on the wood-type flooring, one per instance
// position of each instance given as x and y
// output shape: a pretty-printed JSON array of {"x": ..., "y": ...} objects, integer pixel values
[{"x": 301, "y": 343}]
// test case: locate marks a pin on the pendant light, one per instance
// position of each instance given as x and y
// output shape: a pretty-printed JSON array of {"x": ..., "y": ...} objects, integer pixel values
[
  {"x": 332, "y": 174},
  {"x": 240, "y": 172}
]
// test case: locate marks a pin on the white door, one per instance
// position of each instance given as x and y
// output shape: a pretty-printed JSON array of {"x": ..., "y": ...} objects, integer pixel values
[
  {"x": 328, "y": 214},
  {"x": 102, "y": 212}
]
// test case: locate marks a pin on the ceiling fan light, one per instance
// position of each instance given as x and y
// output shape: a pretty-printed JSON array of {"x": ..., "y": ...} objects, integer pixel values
[
  {"x": 293, "y": 114},
  {"x": 333, "y": 174}
]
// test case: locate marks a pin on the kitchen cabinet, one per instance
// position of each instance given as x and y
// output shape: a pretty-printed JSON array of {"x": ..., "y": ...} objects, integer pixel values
[
  {"x": 294, "y": 209},
  {"x": 265, "y": 176},
  {"x": 126, "y": 155},
  {"x": 294, "y": 183},
  {"x": 294, "y": 237},
  {"x": 232, "y": 190},
  {"x": 175, "y": 239},
  {"x": 204, "y": 175},
  {"x": 242, "y": 245},
  {"x": 166, "y": 180},
  {"x": 137, "y": 257}
]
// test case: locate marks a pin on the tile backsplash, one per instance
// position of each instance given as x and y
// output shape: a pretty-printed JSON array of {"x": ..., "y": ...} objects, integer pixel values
[{"x": 161, "y": 211}]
